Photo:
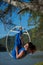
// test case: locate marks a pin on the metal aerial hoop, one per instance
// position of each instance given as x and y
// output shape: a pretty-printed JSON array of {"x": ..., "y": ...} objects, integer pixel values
[{"x": 12, "y": 30}]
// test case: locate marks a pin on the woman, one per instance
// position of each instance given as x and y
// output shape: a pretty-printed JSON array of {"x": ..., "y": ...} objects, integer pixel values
[{"x": 19, "y": 51}]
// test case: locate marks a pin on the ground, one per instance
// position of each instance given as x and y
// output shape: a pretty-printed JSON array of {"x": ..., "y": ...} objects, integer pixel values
[{"x": 30, "y": 59}]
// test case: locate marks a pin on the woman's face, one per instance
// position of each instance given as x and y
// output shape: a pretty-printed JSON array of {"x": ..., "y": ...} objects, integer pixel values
[{"x": 26, "y": 46}]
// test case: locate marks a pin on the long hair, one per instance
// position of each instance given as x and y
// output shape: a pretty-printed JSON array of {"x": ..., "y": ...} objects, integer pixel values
[{"x": 32, "y": 46}]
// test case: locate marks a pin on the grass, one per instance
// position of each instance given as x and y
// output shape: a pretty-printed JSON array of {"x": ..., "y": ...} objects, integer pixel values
[{"x": 40, "y": 63}]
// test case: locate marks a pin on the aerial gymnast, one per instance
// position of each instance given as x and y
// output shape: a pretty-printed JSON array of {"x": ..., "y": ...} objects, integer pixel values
[{"x": 19, "y": 51}]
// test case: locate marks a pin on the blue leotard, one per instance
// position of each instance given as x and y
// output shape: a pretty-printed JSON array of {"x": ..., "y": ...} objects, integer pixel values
[{"x": 18, "y": 44}]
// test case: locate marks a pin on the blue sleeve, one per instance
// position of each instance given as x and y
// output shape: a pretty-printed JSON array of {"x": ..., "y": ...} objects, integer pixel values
[{"x": 22, "y": 49}]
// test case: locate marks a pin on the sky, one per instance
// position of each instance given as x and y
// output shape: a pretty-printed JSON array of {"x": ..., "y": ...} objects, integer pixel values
[{"x": 16, "y": 20}]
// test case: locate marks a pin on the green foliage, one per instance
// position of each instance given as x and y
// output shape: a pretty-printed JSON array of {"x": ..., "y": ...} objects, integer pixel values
[
  {"x": 3, "y": 41},
  {"x": 37, "y": 38}
]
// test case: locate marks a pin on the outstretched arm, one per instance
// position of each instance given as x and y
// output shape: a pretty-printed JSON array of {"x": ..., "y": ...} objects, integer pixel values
[{"x": 20, "y": 55}]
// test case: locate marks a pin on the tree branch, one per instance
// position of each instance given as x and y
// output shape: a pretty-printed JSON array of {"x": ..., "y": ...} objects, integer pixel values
[{"x": 32, "y": 6}]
